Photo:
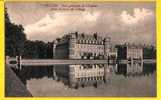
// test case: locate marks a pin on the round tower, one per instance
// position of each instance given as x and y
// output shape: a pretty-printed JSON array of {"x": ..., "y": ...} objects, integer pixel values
[{"x": 72, "y": 43}]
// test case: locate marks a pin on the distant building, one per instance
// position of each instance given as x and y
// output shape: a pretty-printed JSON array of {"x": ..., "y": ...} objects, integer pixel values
[
  {"x": 133, "y": 54},
  {"x": 129, "y": 52},
  {"x": 82, "y": 46}
]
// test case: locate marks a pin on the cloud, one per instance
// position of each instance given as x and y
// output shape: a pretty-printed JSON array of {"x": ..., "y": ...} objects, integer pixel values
[
  {"x": 139, "y": 15},
  {"x": 55, "y": 25},
  {"x": 138, "y": 27}
]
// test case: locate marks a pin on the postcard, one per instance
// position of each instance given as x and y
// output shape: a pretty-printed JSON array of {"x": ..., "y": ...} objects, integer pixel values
[{"x": 80, "y": 49}]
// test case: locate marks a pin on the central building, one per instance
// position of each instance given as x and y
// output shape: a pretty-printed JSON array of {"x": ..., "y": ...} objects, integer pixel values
[{"x": 82, "y": 46}]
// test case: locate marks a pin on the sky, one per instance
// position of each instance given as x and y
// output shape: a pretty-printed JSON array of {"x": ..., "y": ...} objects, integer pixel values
[{"x": 122, "y": 21}]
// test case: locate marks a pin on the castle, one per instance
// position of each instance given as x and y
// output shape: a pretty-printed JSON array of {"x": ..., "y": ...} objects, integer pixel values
[
  {"x": 82, "y": 46},
  {"x": 85, "y": 46}
]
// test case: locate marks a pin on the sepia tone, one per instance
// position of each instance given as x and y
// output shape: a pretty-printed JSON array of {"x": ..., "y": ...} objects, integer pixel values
[{"x": 80, "y": 49}]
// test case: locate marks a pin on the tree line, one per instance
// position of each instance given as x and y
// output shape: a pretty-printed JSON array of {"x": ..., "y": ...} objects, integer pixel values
[{"x": 17, "y": 44}]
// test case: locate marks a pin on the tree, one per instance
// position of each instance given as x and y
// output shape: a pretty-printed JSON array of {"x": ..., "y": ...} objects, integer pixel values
[
  {"x": 49, "y": 50},
  {"x": 14, "y": 37},
  {"x": 149, "y": 52},
  {"x": 36, "y": 49},
  {"x": 95, "y": 35}
]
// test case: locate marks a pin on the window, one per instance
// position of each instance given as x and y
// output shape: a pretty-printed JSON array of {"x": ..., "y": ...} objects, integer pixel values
[
  {"x": 89, "y": 41},
  {"x": 93, "y": 42}
]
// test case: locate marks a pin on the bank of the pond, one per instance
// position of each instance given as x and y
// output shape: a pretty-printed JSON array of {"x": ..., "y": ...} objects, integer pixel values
[{"x": 13, "y": 85}]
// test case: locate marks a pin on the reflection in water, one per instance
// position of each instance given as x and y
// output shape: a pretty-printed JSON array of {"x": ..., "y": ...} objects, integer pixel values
[
  {"x": 149, "y": 68},
  {"x": 135, "y": 69},
  {"x": 30, "y": 72}
]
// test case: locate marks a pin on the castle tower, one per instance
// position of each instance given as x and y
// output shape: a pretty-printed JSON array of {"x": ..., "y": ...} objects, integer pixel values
[{"x": 72, "y": 43}]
